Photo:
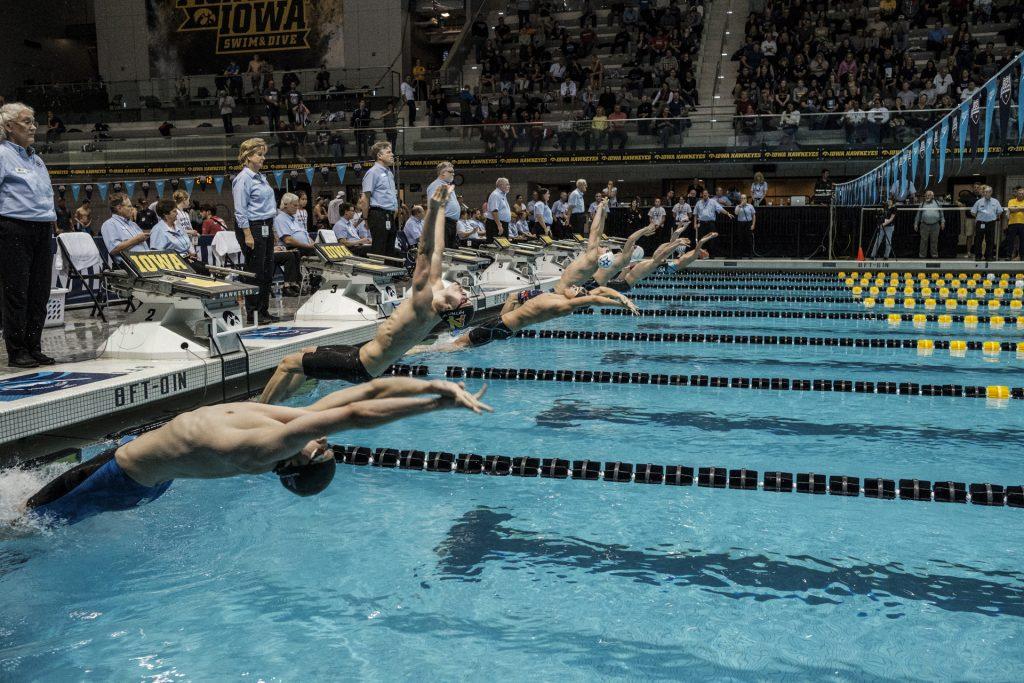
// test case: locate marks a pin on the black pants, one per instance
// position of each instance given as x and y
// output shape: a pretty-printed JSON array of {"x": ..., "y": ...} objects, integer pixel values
[
  {"x": 382, "y": 235},
  {"x": 577, "y": 221},
  {"x": 492, "y": 229},
  {"x": 412, "y": 111},
  {"x": 743, "y": 239},
  {"x": 229, "y": 126},
  {"x": 25, "y": 267},
  {"x": 260, "y": 262},
  {"x": 289, "y": 262},
  {"x": 984, "y": 233},
  {"x": 451, "y": 233}
]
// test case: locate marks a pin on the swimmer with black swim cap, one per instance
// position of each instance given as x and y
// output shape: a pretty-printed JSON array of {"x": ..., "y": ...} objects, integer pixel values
[
  {"x": 233, "y": 439},
  {"x": 519, "y": 312},
  {"x": 429, "y": 303}
]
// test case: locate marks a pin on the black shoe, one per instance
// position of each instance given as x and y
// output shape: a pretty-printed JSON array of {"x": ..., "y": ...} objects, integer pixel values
[
  {"x": 266, "y": 319},
  {"x": 42, "y": 358},
  {"x": 22, "y": 360}
]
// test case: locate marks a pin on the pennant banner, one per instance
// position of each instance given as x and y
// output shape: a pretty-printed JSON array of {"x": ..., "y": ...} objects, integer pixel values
[
  {"x": 965, "y": 113},
  {"x": 1020, "y": 98},
  {"x": 278, "y": 175},
  {"x": 189, "y": 184},
  {"x": 75, "y": 189},
  {"x": 309, "y": 176},
  {"x": 129, "y": 187},
  {"x": 160, "y": 189},
  {"x": 218, "y": 182},
  {"x": 990, "y": 107},
  {"x": 103, "y": 188},
  {"x": 341, "y": 168},
  {"x": 929, "y": 144},
  {"x": 915, "y": 154},
  {"x": 943, "y": 144}
]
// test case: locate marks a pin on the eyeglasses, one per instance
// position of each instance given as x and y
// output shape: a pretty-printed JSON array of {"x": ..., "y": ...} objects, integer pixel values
[{"x": 28, "y": 123}]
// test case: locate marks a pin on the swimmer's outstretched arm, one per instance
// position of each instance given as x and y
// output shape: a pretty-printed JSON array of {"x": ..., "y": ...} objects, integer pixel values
[
  {"x": 603, "y": 300},
  {"x": 610, "y": 293},
  {"x": 696, "y": 253},
  {"x": 623, "y": 257},
  {"x": 361, "y": 415},
  {"x": 431, "y": 248},
  {"x": 597, "y": 229},
  {"x": 510, "y": 303},
  {"x": 397, "y": 387}
]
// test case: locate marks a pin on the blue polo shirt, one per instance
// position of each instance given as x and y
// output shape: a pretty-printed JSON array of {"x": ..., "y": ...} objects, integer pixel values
[
  {"x": 987, "y": 210},
  {"x": 253, "y": 196},
  {"x": 576, "y": 203},
  {"x": 164, "y": 237},
  {"x": 542, "y": 211},
  {"x": 498, "y": 201},
  {"x": 452, "y": 209},
  {"x": 25, "y": 190},
  {"x": 707, "y": 210},
  {"x": 379, "y": 182},
  {"x": 745, "y": 213},
  {"x": 288, "y": 226},
  {"x": 117, "y": 229},
  {"x": 345, "y": 230}
]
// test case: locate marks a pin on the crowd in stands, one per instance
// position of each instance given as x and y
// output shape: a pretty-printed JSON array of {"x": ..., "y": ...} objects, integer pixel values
[{"x": 839, "y": 67}]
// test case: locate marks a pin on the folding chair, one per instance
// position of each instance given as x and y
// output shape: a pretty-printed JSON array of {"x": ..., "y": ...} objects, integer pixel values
[{"x": 80, "y": 260}]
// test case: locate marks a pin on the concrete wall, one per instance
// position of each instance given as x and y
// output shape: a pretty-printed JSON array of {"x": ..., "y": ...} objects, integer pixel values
[
  {"x": 374, "y": 34},
  {"x": 122, "y": 39},
  {"x": 53, "y": 55}
]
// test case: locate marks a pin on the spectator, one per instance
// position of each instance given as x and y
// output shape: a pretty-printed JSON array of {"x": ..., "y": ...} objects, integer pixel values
[
  {"x": 929, "y": 222},
  {"x": 419, "y": 76},
  {"x": 883, "y": 235},
  {"x": 758, "y": 189},
  {"x": 212, "y": 223},
  {"x": 617, "y": 128},
  {"x": 352, "y": 231},
  {"x": 226, "y": 105},
  {"x": 656, "y": 214},
  {"x": 54, "y": 127},
  {"x": 83, "y": 217},
  {"x": 413, "y": 228},
  {"x": 272, "y": 102},
  {"x": 120, "y": 233},
  {"x": 165, "y": 129},
  {"x": 790, "y": 122},
  {"x": 598, "y": 133},
  {"x": 877, "y": 119},
  {"x": 986, "y": 212}
]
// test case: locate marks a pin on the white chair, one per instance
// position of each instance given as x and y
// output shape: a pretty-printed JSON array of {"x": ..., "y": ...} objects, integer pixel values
[
  {"x": 78, "y": 258},
  {"x": 327, "y": 237},
  {"x": 225, "y": 249}
]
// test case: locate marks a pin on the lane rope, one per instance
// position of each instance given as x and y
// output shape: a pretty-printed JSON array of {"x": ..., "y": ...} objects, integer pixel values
[
  {"x": 806, "y": 315},
  {"x": 994, "y": 495},
  {"x": 998, "y": 392}
]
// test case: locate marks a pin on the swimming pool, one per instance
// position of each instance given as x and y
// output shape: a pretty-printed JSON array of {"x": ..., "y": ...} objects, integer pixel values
[{"x": 393, "y": 574}]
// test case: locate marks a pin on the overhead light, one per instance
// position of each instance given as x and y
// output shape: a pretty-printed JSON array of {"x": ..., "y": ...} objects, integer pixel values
[
  {"x": 721, "y": 76},
  {"x": 728, "y": 11},
  {"x": 620, "y": 180},
  {"x": 726, "y": 33},
  {"x": 473, "y": 68},
  {"x": 445, "y": 15},
  {"x": 501, "y": 14},
  {"x": 714, "y": 120},
  {"x": 718, "y": 97},
  {"x": 725, "y": 54}
]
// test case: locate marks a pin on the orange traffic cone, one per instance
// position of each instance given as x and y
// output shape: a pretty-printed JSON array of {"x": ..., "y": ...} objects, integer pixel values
[{"x": 860, "y": 253}]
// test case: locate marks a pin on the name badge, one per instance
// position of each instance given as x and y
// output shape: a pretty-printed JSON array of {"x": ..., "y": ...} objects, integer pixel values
[
  {"x": 265, "y": 231},
  {"x": 387, "y": 225},
  {"x": 22, "y": 170}
]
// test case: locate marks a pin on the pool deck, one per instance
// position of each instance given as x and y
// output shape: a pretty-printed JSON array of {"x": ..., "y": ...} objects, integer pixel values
[{"x": 69, "y": 404}]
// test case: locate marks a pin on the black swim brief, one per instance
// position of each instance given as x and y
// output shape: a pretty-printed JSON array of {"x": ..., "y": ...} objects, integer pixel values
[
  {"x": 335, "y": 362},
  {"x": 590, "y": 284},
  {"x": 619, "y": 285},
  {"x": 488, "y": 332}
]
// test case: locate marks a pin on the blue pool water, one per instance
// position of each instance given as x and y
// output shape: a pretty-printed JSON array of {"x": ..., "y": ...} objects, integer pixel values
[{"x": 405, "y": 575}]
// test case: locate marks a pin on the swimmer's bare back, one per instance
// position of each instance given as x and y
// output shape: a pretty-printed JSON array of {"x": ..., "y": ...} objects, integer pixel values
[{"x": 251, "y": 438}]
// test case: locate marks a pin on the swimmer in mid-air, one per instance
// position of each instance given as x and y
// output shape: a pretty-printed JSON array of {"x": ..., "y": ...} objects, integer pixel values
[
  {"x": 630, "y": 272},
  {"x": 429, "y": 303},
  {"x": 586, "y": 264},
  {"x": 530, "y": 308},
  {"x": 233, "y": 439}
]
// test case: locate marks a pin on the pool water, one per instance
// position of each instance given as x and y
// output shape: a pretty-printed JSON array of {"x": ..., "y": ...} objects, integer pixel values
[{"x": 394, "y": 574}]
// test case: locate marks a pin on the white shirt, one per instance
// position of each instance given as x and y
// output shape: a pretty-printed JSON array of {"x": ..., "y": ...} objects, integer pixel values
[
  {"x": 657, "y": 215},
  {"x": 466, "y": 229},
  {"x": 557, "y": 71},
  {"x": 407, "y": 91},
  {"x": 878, "y": 114},
  {"x": 334, "y": 210},
  {"x": 568, "y": 88},
  {"x": 942, "y": 84},
  {"x": 682, "y": 212}
]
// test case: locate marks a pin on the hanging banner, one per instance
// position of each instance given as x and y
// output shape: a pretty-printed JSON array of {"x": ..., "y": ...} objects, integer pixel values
[
  {"x": 975, "y": 122},
  {"x": 129, "y": 188},
  {"x": 1005, "y": 93},
  {"x": 309, "y": 176},
  {"x": 218, "y": 182},
  {"x": 160, "y": 189},
  {"x": 902, "y": 194},
  {"x": 929, "y": 143},
  {"x": 341, "y": 168},
  {"x": 278, "y": 175},
  {"x": 75, "y": 189},
  {"x": 943, "y": 143},
  {"x": 915, "y": 154},
  {"x": 990, "y": 107},
  {"x": 189, "y": 184},
  {"x": 1020, "y": 98},
  {"x": 103, "y": 188},
  {"x": 962, "y": 122}
]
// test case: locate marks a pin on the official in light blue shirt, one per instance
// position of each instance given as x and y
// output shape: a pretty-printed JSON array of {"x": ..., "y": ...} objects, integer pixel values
[
  {"x": 987, "y": 211},
  {"x": 254, "y": 198},
  {"x": 707, "y": 209},
  {"x": 27, "y": 216},
  {"x": 168, "y": 237},
  {"x": 413, "y": 229},
  {"x": 289, "y": 231},
  {"x": 119, "y": 232},
  {"x": 576, "y": 202},
  {"x": 745, "y": 213},
  {"x": 379, "y": 182},
  {"x": 499, "y": 213},
  {"x": 348, "y": 232},
  {"x": 452, "y": 207}
]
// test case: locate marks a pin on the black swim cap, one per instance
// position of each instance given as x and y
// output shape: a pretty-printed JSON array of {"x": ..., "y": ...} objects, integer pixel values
[
  {"x": 309, "y": 479},
  {"x": 458, "y": 318}
]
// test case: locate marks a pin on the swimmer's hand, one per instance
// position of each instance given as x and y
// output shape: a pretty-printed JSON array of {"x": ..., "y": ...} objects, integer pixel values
[
  {"x": 650, "y": 229},
  {"x": 440, "y": 196},
  {"x": 457, "y": 395},
  {"x": 706, "y": 238}
]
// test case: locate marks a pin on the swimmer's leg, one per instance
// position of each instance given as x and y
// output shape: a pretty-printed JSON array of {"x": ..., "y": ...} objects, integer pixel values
[
  {"x": 287, "y": 378},
  {"x": 68, "y": 481}
]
